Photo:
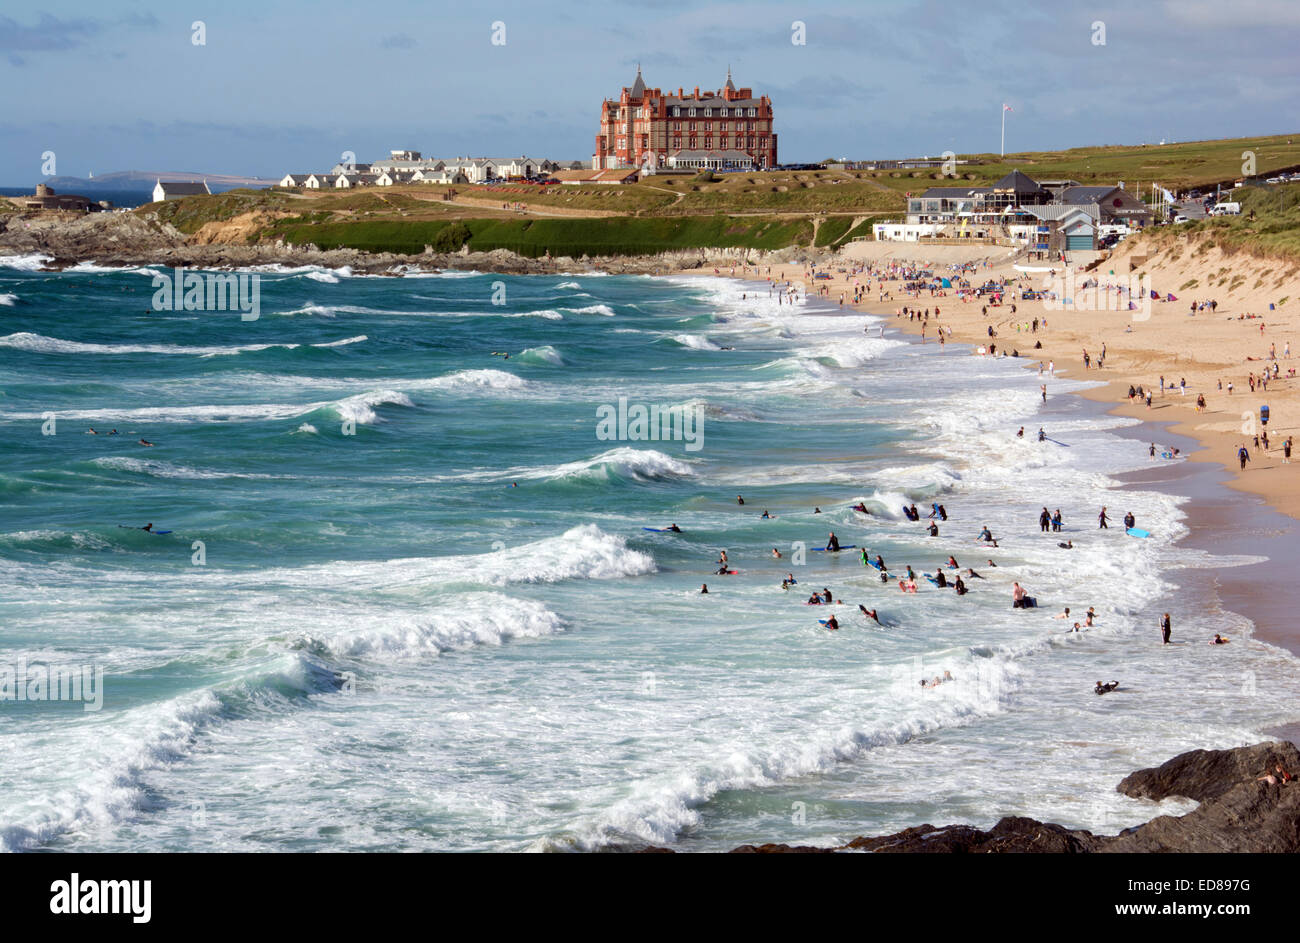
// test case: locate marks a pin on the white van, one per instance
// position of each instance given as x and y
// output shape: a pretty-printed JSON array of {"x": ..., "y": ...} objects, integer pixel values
[{"x": 1226, "y": 209}]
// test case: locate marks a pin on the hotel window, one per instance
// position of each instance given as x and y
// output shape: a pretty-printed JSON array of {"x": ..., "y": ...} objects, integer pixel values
[
  {"x": 723, "y": 112},
  {"x": 692, "y": 112},
  {"x": 708, "y": 143},
  {"x": 708, "y": 112}
]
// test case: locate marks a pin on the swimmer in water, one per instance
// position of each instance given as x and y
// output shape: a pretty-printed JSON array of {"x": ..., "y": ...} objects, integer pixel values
[
  {"x": 704, "y": 589},
  {"x": 776, "y": 554},
  {"x": 1068, "y": 545},
  {"x": 739, "y": 499},
  {"x": 1105, "y": 688},
  {"x": 869, "y": 613},
  {"x": 832, "y": 623},
  {"x": 952, "y": 562},
  {"x": 674, "y": 528},
  {"x": 1219, "y": 640},
  {"x": 765, "y": 515},
  {"x": 832, "y": 542}
]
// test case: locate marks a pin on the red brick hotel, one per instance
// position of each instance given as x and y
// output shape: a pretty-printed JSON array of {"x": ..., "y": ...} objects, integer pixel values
[{"x": 728, "y": 129}]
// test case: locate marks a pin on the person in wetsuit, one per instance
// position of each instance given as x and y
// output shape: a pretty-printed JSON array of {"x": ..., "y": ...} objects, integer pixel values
[{"x": 869, "y": 613}]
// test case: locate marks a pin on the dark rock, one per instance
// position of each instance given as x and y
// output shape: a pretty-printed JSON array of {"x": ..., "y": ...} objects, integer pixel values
[
  {"x": 1237, "y": 813},
  {"x": 1208, "y": 774}
]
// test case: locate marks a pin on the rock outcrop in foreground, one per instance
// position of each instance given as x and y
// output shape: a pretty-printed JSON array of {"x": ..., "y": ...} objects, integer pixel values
[{"x": 1237, "y": 813}]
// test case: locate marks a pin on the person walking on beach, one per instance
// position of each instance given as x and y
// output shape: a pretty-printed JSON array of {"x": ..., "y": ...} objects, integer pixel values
[
  {"x": 1101, "y": 519},
  {"x": 1243, "y": 456},
  {"x": 1286, "y": 451},
  {"x": 1165, "y": 628}
]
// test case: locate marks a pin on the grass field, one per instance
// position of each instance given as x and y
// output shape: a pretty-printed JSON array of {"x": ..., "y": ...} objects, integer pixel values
[{"x": 537, "y": 237}]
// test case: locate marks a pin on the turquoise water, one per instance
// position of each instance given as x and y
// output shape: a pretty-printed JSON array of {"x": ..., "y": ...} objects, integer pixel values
[{"x": 408, "y": 603}]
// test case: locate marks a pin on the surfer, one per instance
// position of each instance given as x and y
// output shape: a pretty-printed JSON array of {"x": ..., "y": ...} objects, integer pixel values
[
  {"x": 1068, "y": 545},
  {"x": 869, "y": 613},
  {"x": 1102, "y": 519},
  {"x": 911, "y": 577},
  {"x": 147, "y": 527},
  {"x": 943, "y": 513},
  {"x": 704, "y": 589},
  {"x": 880, "y": 563},
  {"x": 1219, "y": 640},
  {"x": 817, "y": 510},
  {"x": 1129, "y": 521},
  {"x": 1042, "y": 436},
  {"x": 1021, "y": 433},
  {"x": 934, "y": 529},
  {"x": 1045, "y": 521},
  {"x": 146, "y": 442},
  {"x": 959, "y": 586},
  {"x": 764, "y": 515},
  {"x": 952, "y": 562},
  {"x": 915, "y": 515},
  {"x": 740, "y": 499},
  {"x": 1165, "y": 628},
  {"x": 815, "y": 599},
  {"x": 940, "y": 580},
  {"x": 833, "y": 543},
  {"x": 91, "y": 431},
  {"x": 1018, "y": 596},
  {"x": 972, "y": 574},
  {"x": 674, "y": 528},
  {"x": 832, "y": 623},
  {"x": 861, "y": 508},
  {"x": 1105, "y": 688},
  {"x": 827, "y": 594}
]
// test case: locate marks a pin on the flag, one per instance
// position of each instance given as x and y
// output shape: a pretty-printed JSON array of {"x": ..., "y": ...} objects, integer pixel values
[{"x": 1006, "y": 107}]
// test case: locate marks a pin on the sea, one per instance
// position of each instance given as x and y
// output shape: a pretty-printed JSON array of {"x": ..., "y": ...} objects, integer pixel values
[{"x": 399, "y": 593}]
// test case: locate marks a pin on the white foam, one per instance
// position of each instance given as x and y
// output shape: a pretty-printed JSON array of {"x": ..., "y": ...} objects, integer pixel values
[
  {"x": 472, "y": 619},
  {"x": 25, "y": 340},
  {"x": 475, "y": 380},
  {"x": 8, "y": 299},
  {"x": 544, "y": 354}
]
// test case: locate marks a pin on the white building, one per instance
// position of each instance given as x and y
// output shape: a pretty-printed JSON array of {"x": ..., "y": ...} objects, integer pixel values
[
  {"x": 320, "y": 181},
  {"x": 294, "y": 180},
  {"x": 171, "y": 189}
]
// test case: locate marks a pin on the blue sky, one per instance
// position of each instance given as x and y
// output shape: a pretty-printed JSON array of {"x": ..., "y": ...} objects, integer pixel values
[{"x": 287, "y": 86}]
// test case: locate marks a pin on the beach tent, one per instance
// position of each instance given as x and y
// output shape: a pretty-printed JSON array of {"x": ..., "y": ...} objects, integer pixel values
[
  {"x": 1155, "y": 295},
  {"x": 946, "y": 283},
  {"x": 1171, "y": 297}
]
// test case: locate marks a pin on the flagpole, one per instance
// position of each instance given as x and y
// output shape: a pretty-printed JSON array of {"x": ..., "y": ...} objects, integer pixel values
[{"x": 1004, "y": 129}]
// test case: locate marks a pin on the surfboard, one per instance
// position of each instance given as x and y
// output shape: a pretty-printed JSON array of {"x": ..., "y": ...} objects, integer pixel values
[
  {"x": 825, "y": 622},
  {"x": 842, "y": 547},
  {"x": 657, "y": 530},
  {"x": 1050, "y": 439},
  {"x": 159, "y": 533},
  {"x": 876, "y": 565},
  {"x": 1138, "y": 532}
]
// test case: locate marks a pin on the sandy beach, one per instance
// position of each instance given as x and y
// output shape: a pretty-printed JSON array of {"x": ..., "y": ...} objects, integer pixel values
[
  {"x": 1258, "y": 516},
  {"x": 1210, "y": 351}
]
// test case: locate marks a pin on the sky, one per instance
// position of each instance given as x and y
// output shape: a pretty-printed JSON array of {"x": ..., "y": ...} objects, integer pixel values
[{"x": 280, "y": 87}]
